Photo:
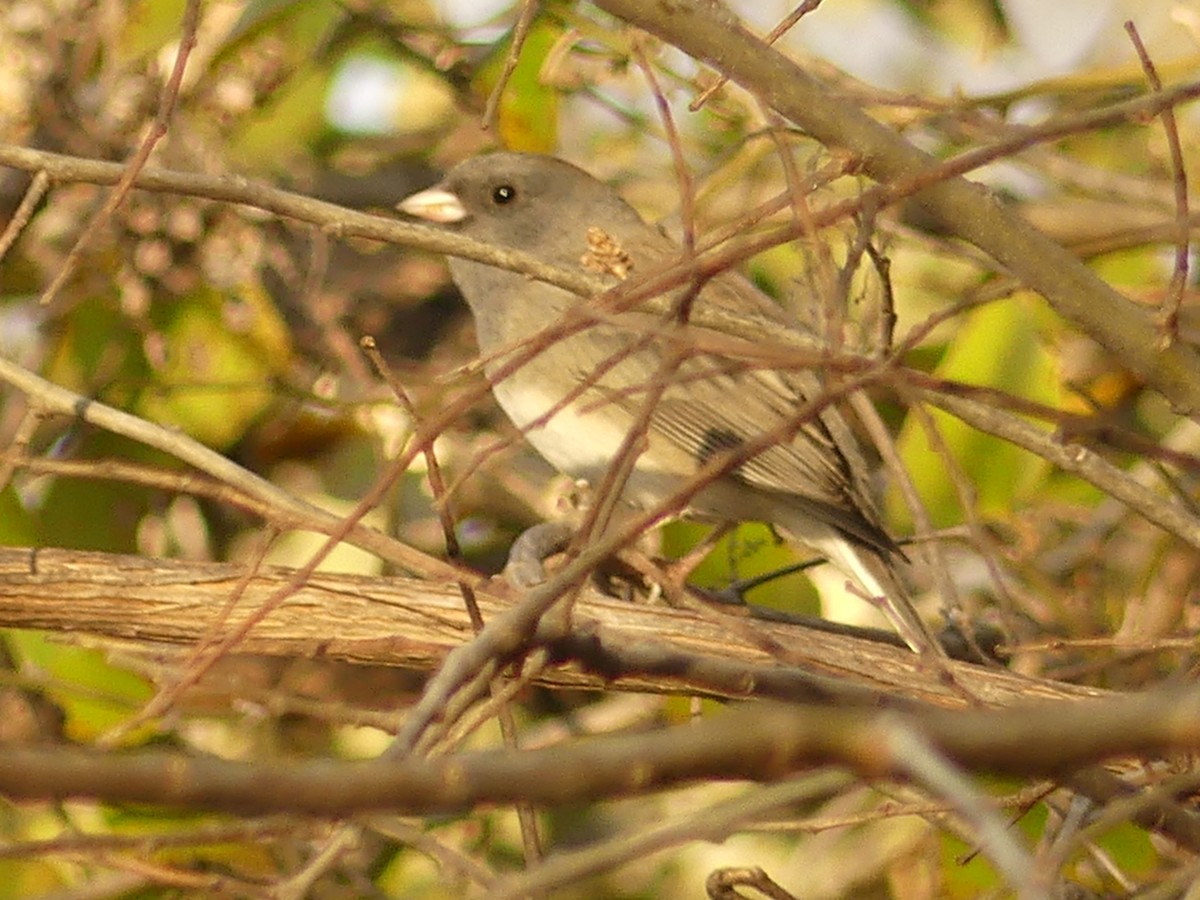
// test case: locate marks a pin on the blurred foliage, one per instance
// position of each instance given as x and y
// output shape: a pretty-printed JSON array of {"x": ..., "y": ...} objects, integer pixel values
[
  {"x": 997, "y": 346},
  {"x": 527, "y": 116},
  {"x": 93, "y": 694},
  {"x": 241, "y": 331}
]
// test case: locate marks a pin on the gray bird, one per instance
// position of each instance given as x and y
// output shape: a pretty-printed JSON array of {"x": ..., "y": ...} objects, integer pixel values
[{"x": 813, "y": 486}]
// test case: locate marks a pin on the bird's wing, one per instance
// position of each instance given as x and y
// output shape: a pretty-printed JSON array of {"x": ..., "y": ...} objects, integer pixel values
[{"x": 715, "y": 404}]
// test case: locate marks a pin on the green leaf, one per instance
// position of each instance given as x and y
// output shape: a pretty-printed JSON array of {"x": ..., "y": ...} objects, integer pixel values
[
  {"x": 749, "y": 550},
  {"x": 93, "y": 694},
  {"x": 294, "y": 118},
  {"x": 16, "y": 530},
  {"x": 528, "y": 114},
  {"x": 217, "y": 381},
  {"x": 1000, "y": 346}
]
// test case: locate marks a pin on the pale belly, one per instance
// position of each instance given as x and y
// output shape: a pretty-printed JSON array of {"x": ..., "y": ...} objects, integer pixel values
[{"x": 582, "y": 445}]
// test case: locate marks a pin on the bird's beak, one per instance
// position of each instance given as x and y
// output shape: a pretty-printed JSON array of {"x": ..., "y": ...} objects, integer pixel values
[{"x": 435, "y": 204}]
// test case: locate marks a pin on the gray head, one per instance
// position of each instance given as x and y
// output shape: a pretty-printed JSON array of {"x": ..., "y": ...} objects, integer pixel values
[{"x": 539, "y": 204}]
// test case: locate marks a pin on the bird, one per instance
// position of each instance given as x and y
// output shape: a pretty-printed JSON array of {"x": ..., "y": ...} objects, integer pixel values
[{"x": 579, "y": 397}]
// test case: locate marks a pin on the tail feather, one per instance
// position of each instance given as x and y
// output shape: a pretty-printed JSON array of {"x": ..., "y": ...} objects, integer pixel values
[{"x": 875, "y": 576}]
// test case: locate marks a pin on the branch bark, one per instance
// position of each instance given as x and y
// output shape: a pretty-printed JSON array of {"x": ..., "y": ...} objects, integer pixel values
[
  {"x": 755, "y": 742},
  {"x": 711, "y": 34},
  {"x": 415, "y": 624}
]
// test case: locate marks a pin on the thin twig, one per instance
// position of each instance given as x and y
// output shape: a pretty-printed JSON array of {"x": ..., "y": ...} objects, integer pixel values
[
  {"x": 1169, "y": 314},
  {"x": 773, "y": 35},
  {"x": 520, "y": 32},
  {"x": 158, "y": 129},
  {"x": 508, "y": 725},
  {"x": 53, "y": 398},
  {"x": 24, "y": 212}
]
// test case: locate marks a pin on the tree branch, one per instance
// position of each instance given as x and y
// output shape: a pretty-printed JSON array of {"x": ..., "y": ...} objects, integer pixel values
[
  {"x": 405, "y": 622},
  {"x": 757, "y": 742},
  {"x": 711, "y": 34}
]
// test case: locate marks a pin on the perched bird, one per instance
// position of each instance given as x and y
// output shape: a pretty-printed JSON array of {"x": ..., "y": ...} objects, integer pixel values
[{"x": 812, "y": 485}]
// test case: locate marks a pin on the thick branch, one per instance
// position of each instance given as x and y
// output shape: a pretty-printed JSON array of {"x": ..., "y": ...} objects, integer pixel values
[
  {"x": 711, "y": 34},
  {"x": 759, "y": 742},
  {"x": 406, "y": 622}
]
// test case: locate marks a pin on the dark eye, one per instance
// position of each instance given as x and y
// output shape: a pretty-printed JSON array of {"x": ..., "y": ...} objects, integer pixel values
[{"x": 504, "y": 193}]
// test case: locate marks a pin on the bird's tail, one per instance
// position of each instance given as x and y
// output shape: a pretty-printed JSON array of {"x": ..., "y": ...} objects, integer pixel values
[{"x": 876, "y": 578}]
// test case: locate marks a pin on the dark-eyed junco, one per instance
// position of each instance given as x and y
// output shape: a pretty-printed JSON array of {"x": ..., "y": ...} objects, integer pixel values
[{"x": 812, "y": 485}]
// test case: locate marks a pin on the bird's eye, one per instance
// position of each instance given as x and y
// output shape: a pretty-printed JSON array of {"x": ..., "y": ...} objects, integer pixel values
[{"x": 504, "y": 193}]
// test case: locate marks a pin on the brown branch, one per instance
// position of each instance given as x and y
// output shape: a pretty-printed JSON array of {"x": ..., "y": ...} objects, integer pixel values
[
  {"x": 712, "y": 35},
  {"x": 157, "y": 130},
  {"x": 1174, "y": 298},
  {"x": 38, "y": 186},
  {"x": 1164, "y": 511},
  {"x": 520, "y": 32},
  {"x": 757, "y": 742},
  {"x": 404, "y": 622},
  {"x": 508, "y": 726},
  {"x": 772, "y": 36},
  {"x": 277, "y": 504}
]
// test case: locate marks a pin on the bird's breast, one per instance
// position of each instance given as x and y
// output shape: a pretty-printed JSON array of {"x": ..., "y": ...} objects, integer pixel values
[
  {"x": 576, "y": 441},
  {"x": 582, "y": 439}
]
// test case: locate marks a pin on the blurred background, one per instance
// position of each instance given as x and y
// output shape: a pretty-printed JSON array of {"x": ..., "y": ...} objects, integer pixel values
[{"x": 242, "y": 331}]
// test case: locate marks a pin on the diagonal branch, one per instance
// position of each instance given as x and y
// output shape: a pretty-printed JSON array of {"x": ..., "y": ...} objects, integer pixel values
[{"x": 711, "y": 34}]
